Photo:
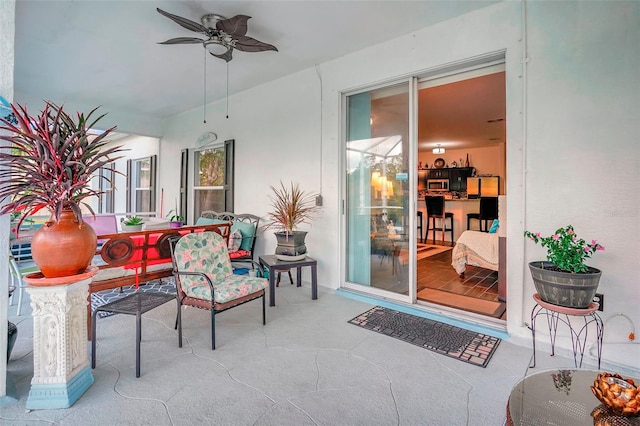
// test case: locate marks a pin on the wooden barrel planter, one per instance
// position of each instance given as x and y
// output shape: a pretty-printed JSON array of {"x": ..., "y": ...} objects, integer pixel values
[{"x": 568, "y": 289}]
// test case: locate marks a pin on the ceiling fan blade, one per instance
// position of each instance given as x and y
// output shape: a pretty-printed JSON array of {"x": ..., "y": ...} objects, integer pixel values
[
  {"x": 236, "y": 26},
  {"x": 227, "y": 56},
  {"x": 183, "y": 40},
  {"x": 184, "y": 22},
  {"x": 249, "y": 44}
]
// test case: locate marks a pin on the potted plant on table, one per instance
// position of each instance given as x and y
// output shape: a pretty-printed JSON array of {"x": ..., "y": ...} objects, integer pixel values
[
  {"x": 132, "y": 224},
  {"x": 47, "y": 161},
  {"x": 291, "y": 208},
  {"x": 175, "y": 220},
  {"x": 564, "y": 279}
]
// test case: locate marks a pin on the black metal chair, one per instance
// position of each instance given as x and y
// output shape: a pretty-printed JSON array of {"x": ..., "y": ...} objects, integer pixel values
[
  {"x": 420, "y": 235},
  {"x": 209, "y": 282},
  {"x": 488, "y": 212},
  {"x": 248, "y": 225},
  {"x": 435, "y": 210}
]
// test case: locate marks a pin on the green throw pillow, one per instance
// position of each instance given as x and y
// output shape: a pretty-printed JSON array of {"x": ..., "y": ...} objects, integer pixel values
[
  {"x": 206, "y": 221},
  {"x": 247, "y": 230}
]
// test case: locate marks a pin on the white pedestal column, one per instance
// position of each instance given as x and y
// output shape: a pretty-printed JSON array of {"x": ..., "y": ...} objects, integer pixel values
[{"x": 61, "y": 371}]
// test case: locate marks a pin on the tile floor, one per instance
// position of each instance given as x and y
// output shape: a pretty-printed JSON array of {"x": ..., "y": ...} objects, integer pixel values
[
  {"x": 436, "y": 272},
  {"x": 307, "y": 366}
]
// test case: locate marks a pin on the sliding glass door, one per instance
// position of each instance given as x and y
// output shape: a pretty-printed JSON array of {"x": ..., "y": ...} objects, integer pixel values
[{"x": 378, "y": 207}]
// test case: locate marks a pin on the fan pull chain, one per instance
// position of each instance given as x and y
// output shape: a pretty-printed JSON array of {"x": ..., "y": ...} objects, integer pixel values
[
  {"x": 204, "y": 107},
  {"x": 227, "y": 90}
]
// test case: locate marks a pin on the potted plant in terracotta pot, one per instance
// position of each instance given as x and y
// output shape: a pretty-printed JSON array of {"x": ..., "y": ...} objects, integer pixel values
[
  {"x": 564, "y": 279},
  {"x": 291, "y": 207},
  {"x": 47, "y": 162}
]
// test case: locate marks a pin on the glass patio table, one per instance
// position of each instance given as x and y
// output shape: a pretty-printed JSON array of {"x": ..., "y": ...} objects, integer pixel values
[{"x": 560, "y": 397}]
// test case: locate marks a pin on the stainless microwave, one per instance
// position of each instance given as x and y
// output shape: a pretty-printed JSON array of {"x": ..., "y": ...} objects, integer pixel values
[{"x": 438, "y": 185}]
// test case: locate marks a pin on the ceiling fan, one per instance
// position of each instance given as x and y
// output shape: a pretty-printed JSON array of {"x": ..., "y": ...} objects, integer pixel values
[{"x": 222, "y": 34}]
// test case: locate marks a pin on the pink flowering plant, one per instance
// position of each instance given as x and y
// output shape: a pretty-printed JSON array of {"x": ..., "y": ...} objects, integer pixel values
[
  {"x": 562, "y": 381},
  {"x": 565, "y": 250}
]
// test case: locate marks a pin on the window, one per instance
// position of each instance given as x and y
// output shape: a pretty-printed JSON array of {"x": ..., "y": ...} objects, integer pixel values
[
  {"x": 106, "y": 200},
  {"x": 141, "y": 182},
  {"x": 213, "y": 180}
]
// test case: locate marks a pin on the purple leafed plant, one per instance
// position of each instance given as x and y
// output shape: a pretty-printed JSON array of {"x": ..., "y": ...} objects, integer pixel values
[{"x": 48, "y": 161}]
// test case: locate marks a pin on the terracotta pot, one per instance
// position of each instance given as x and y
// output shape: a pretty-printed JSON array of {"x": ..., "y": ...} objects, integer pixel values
[{"x": 63, "y": 248}]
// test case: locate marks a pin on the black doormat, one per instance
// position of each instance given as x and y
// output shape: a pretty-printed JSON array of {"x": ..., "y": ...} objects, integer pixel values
[
  {"x": 468, "y": 346},
  {"x": 164, "y": 285}
]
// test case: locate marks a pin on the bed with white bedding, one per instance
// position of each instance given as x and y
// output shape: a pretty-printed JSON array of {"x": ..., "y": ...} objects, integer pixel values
[
  {"x": 476, "y": 249},
  {"x": 481, "y": 249}
]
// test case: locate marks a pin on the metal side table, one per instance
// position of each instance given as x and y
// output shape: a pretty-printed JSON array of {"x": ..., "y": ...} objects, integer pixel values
[
  {"x": 274, "y": 265},
  {"x": 134, "y": 304},
  {"x": 556, "y": 314}
]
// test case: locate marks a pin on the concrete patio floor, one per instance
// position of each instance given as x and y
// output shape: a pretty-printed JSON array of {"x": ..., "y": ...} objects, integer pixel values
[{"x": 307, "y": 366}]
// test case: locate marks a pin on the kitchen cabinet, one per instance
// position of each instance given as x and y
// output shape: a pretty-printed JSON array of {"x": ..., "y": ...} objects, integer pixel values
[
  {"x": 439, "y": 174},
  {"x": 458, "y": 178}
]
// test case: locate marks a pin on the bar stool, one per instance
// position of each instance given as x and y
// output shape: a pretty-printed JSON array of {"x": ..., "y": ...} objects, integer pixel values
[
  {"x": 435, "y": 210},
  {"x": 488, "y": 212},
  {"x": 421, "y": 237}
]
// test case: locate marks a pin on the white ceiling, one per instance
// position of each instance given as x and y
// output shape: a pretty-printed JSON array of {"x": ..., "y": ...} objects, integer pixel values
[{"x": 106, "y": 52}]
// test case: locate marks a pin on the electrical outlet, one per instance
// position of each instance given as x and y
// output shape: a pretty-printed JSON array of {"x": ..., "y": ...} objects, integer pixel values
[
  {"x": 318, "y": 200},
  {"x": 599, "y": 298}
]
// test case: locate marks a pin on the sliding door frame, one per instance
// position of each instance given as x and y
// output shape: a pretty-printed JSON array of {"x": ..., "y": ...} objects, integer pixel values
[
  {"x": 412, "y": 153},
  {"x": 414, "y": 79}
]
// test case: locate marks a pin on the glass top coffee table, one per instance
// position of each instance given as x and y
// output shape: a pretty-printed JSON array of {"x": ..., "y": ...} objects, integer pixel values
[{"x": 560, "y": 397}]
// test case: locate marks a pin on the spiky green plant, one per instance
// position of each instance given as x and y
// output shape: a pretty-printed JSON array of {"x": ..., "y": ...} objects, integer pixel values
[
  {"x": 48, "y": 161},
  {"x": 291, "y": 208},
  {"x": 133, "y": 221}
]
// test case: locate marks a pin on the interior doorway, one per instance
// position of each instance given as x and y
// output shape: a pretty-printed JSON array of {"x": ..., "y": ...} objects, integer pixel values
[{"x": 461, "y": 134}]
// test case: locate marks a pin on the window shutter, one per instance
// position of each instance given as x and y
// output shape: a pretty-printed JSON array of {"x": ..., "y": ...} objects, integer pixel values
[
  {"x": 229, "y": 174},
  {"x": 184, "y": 170},
  {"x": 129, "y": 184}
]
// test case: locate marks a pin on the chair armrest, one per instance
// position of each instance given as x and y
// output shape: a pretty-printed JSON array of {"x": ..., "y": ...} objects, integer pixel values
[{"x": 197, "y": 274}]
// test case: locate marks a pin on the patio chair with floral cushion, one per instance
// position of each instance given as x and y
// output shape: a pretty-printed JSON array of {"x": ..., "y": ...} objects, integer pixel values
[{"x": 205, "y": 279}]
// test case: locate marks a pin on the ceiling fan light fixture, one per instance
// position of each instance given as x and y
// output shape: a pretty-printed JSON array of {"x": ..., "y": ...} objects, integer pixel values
[
  {"x": 215, "y": 46},
  {"x": 438, "y": 150},
  {"x": 223, "y": 35},
  {"x": 211, "y": 19}
]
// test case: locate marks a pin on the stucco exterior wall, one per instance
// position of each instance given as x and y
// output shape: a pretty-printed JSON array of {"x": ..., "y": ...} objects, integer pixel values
[{"x": 572, "y": 135}]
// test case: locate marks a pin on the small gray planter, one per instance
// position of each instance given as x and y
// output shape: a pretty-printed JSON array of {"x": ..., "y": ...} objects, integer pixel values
[{"x": 291, "y": 244}]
